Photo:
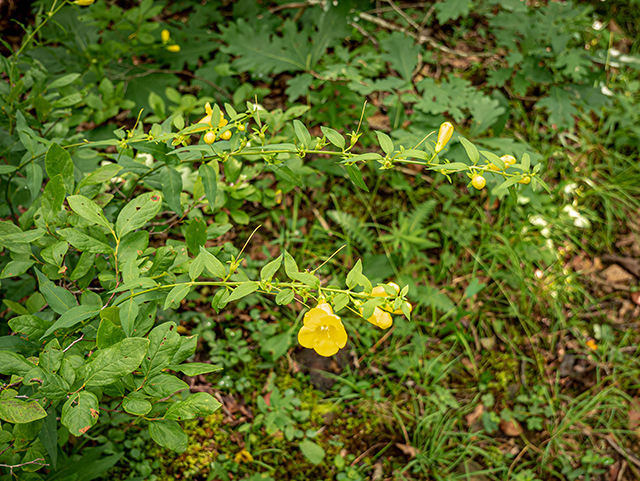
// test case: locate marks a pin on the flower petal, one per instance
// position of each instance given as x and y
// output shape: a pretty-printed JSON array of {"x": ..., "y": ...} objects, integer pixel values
[
  {"x": 307, "y": 337},
  {"x": 326, "y": 348},
  {"x": 325, "y": 307},
  {"x": 339, "y": 336}
]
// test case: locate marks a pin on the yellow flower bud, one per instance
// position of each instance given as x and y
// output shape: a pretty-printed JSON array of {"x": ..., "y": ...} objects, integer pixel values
[
  {"x": 380, "y": 318},
  {"x": 173, "y": 48},
  {"x": 508, "y": 160},
  {"x": 525, "y": 180},
  {"x": 85, "y": 3},
  {"x": 444, "y": 135},
  {"x": 209, "y": 138},
  {"x": 478, "y": 182},
  {"x": 226, "y": 135},
  {"x": 165, "y": 35}
]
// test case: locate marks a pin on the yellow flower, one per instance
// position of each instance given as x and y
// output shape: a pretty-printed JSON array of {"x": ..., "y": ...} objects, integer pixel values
[
  {"x": 591, "y": 344},
  {"x": 379, "y": 291},
  {"x": 444, "y": 135},
  {"x": 173, "y": 48},
  {"x": 165, "y": 35},
  {"x": 85, "y": 3},
  {"x": 322, "y": 331},
  {"x": 243, "y": 456},
  {"x": 380, "y": 318}
]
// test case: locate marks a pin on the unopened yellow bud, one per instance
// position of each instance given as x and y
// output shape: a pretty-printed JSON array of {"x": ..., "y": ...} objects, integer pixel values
[
  {"x": 173, "y": 48},
  {"x": 226, "y": 135},
  {"x": 209, "y": 138},
  {"x": 444, "y": 135},
  {"x": 165, "y": 35},
  {"x": 85, "y": 3},
  {"x": 508, "y": 160}
]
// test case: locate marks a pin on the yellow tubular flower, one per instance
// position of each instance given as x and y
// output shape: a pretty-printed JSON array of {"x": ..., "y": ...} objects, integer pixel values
[
  {"x": 444, "y": 135},
  {"x": 165, "y": 35},
  {"x": 206, "y": 119},
  {"x": 322, "y": 331},
  {"x": 173, "y": 48},
  {"x": 380, "y": 318}
]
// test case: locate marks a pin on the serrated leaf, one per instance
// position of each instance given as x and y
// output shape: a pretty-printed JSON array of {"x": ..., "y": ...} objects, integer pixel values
[
  {"x": 451, "y": 9},
  {"x": 559, "y": 104},
  {"x": 401, "y": 53}
]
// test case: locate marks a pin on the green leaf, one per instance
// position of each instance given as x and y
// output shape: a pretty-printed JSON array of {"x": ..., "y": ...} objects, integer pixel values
[
  {"x": 51, "y": 357},
  {"x": 108, "y": 334},
  {"x": 84, "y": 242},
  {"x": 195, "y": 368},
  {"x": 198, "y": 404},
  {"x": 302, "y": 133},
  {"x": 31, "y": 326},
  {"x": 269, "y": 270},
  {"x": 213, "y": 265},
  {"x": 128, "y": 313},
  {"x": 164, "y": 385},
  {"x": 472, "y": 151},
  {"x": 559, "y": 104},
  {"x": 526, "y": 162},
  {"x": 334, "y": 137},
  {"x": 164, "y": 342},
  {"x": 34, "y": 179},
  {"x": 53, "y": 197},
  {"x": 356, "y": 176},
  {"x": 111, "y": 364},
  {"x": 16, "y": 307},
  {"x": 188, "y": 345},
  {"x": 59, "y": 299},
  {"x": 72, "y": 317},
  {"x": 172, "y": 188},
  {"x": 306, "y": 278},
  {"x": 385, "y": 142},
  {"x": 84, "y": 265},
  {"x": 12, "y": 364},
  {"x": 136, "y": 404},
  {"x": 312, "y": 451},
  {"x": 493, "y": 158},
  {"x": 196, "y": 267},
  {"x": 451, "y": 9},
  {"x": 210, "y": 183},
  {"x": 100, "y": 175},
  {"x": 401, "y": 53},
  {"x": 17, "y": 411},
  {"x": 285, "y": 173},
  {"x": 138, "y": 212},
  {"x": 284, "y": 297},
  {"x": 355, "y": 277},
  {"x": 176, "y": 295},
  {"x": 80, "y": 412},
  {"x": 88, "y": 209},
  {"x": 58, "y": 162},
  {"x": 243, "y": 290},
  {"x": 168, "y": 434},
  {"x": 196, "y": 235},
  {"x": 49, "y": 436},
  {"x": 16, "y": 268}
]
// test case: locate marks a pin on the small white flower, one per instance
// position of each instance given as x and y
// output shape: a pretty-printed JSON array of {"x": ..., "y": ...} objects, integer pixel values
[
  {"x": 597, "y": 25},
  {"x": 546, "y": 232},
  {"x": 570, "y": 188},
  {"x": 581, "y": 221}
]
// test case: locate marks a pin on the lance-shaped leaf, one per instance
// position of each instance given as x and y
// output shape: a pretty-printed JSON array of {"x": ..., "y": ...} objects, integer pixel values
[
  {"x": 115, "y": 362},
  {"x": 59, "y": 299}
]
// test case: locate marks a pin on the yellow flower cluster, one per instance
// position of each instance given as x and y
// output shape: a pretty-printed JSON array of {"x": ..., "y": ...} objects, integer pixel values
[
  {"x": 324, "y": 332},
  {"x": 166, "y": 36},
  {"x": 210, "y": 136}
]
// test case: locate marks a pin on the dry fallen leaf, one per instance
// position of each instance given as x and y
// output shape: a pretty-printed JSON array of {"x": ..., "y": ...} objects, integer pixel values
[
  {"x": 511, "y": 428},
  {"x": 617, "y": 275},
  {"x": 475, "y": 415},
  {"x": 635, "y": 297},
  {"x": 407, "y": 450}
]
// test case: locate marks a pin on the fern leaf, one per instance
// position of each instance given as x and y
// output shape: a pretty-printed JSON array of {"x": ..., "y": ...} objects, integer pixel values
[{"x": 354, "y": 229}]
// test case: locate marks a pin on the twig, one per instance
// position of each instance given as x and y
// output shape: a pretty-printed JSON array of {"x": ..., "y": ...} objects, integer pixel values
[
  {"x": 359, "y": 458},
  {"x": 404, "y": 15},
  {"x": 419, "y": 37},
  {"x": 12, "y": 466},
  {"x": 610, "y": 439},
  {"x": 74, "y": 342}
]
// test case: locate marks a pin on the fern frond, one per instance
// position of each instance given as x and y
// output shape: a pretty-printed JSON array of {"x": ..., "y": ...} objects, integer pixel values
[
  {"x": 420, "y": 214},
  {"x": 355, "y": 230}
]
